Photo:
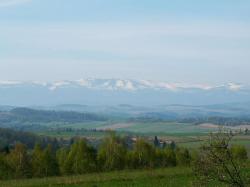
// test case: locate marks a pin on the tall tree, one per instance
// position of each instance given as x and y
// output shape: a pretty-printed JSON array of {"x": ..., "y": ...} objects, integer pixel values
[
  {"x": 19, "y": 161},
  {"x": 144, "y": 154},
  {"x": 156, "y": 142},
  {"x": 37, "y": 161},
  {"x": 50, "y": 163},
  {"x": 81, "y": 158},
  {"x": 112, "y": 153},
  {"x": 61, "y": 156},
  {"x": 5, "y": 170}
]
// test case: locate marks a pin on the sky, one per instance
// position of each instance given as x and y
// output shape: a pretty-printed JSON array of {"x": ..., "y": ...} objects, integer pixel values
[{"x": 176, "y": 41}]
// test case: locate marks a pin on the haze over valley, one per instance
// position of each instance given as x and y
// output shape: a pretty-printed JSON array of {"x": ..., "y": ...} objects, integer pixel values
[{"x": 107, "y": 93}]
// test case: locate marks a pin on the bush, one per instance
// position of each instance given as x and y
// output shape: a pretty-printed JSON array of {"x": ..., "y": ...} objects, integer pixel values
[
  {"x": 239, "y": 152},
  {"x": 215, "y": 162},
  {"x": 183, "y": 157}
]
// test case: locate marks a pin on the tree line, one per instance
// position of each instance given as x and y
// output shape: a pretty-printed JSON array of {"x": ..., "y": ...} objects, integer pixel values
[
  {"x": 45, "y": 116},
  {"x": 9, "y": 137},
  {"x": 80, "y": 158},
  {"x": 218, "y": 120}
]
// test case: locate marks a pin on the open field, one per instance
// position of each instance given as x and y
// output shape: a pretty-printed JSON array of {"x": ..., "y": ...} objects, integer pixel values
[
  {"x": 146, "y": 127},
  {"x": 172, "y": 177},
  {"x": 137, "y": 127}
]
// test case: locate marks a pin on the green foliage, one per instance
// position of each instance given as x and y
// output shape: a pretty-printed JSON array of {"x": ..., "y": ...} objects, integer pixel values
[
  {"x": 37, "y": 161},
  {"x": 165, "y": 157},
  {"x": 212, "y": 161},
  {"x": 183, "y": 157},
  {"x": 31, "y": 115},
  {"x": 167, "y": 177},
  {"x": 61, "y": 157},
  {"x": 5, "y": 169},
  {"x": 112, "y": 154},
  {"x": 50, "y": 162},
  {"x": 81, "y": 158},
  {"x": 19, "y": 161},
  {"x": 143, "y": 155},
  {"x": 215, "y": 161},
  {"x": 44, "y": 162},
  {"x": 239, "y": 152},
  {"x": 10, "y": 137}
]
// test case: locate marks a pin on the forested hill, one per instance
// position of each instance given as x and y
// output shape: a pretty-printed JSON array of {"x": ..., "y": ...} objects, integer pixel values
[
  {"x": 9, "y": 137},
  {"x": 31, "y": 115}
]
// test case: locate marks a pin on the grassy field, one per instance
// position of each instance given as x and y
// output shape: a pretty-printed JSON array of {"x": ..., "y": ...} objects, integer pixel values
[
  {"x": 140, "y": 128},
  {"x": 137, "y": 127},
  {"x": 172, "y": 177}
]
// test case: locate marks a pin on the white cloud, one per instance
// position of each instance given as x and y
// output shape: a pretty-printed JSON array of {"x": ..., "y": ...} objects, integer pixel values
[{"x": 7, "y": 3}]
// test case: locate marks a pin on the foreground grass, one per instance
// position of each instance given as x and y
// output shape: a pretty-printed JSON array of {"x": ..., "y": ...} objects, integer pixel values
[{"x": 172, "y": 177}]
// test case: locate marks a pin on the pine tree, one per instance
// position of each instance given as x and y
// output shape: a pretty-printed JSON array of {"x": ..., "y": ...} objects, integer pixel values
[{"x": 156, "y": 142}]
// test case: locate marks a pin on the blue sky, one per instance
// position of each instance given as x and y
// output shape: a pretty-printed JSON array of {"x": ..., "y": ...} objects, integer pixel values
[{"x": 177, "y": 41}]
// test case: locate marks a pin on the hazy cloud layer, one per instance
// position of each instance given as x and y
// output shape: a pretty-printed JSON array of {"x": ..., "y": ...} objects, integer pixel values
[
  {"x": 163, "y": 40},
  {"x": 7, "y": 3}
]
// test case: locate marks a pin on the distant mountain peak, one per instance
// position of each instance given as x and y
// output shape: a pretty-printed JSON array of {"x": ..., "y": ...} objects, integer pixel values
[
  {"x": 94, "y": 91},
  {"x": 124, "y": 85}
]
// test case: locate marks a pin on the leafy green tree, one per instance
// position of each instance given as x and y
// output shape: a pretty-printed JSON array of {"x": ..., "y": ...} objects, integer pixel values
[
  {"x": 61, "y": 156},
  {"x": 44, "y": 162},
  {"x": 37, "y": 161},
  {"x": 81, "y": 158},
  {"x": 49, "y": 162},
  {"x": 5, "y": 170},
  {"x": 215, "y": 162},
  {"x": 143, "y": 154},
  {"x": 112, "y": 154},
  {"x": 19, "y": 161}
]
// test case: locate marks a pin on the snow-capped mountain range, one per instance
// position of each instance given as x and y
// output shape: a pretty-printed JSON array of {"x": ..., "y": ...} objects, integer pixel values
[
  {"x": 122, "y": 84},
  {"x": 119, "y": 91}
]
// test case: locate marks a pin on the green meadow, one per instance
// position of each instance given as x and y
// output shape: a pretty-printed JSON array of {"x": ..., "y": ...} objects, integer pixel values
[{"x": 172, "y": 177}]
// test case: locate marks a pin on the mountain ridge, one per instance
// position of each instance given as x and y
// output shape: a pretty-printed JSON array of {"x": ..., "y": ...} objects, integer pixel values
[
  {"x": 124, "y": 84},
  {"x": 119, "y": 91}
]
